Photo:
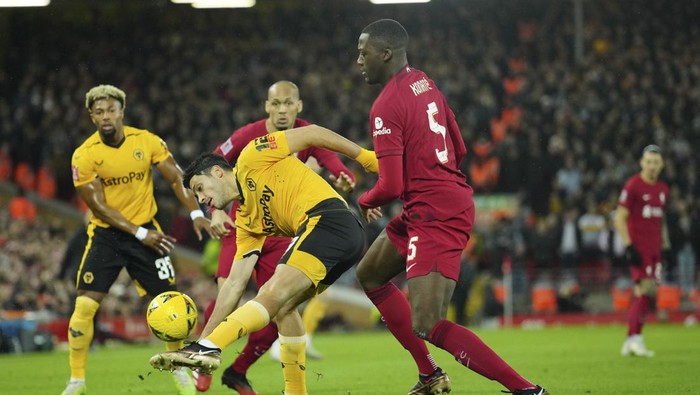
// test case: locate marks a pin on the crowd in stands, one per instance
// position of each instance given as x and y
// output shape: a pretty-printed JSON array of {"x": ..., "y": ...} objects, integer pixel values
[{"x": 558, "y": 131}]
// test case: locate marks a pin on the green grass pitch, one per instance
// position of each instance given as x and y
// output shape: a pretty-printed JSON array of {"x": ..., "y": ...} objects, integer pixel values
[{"x": 566, "y": 360}]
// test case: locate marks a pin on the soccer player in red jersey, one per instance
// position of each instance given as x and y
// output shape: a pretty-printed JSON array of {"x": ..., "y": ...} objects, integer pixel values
[
  {"x": 282, "y": 104},
  {"x": 419, "y": 147},
  {"x": 639, "y": 219}
]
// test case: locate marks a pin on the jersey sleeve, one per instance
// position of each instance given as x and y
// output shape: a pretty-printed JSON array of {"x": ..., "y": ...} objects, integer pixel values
[
  {"x": 159, "y": 149},
  {"x": 247, "y": 244},
  {"x": 231, "y": 148},
  {"x": 387, "y": 131},
  {"x": 266, "y": 150},
  {"x": 83, "y": 170},
  {"x": 626, "y": 198}
]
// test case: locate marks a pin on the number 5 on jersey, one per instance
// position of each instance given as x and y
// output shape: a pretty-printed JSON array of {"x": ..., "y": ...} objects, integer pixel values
[{"x": 439, "y": 129}]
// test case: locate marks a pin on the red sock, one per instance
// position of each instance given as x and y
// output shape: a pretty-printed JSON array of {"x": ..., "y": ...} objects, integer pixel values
[
  {"x": 258, "y": 343},
  {"x": 396, "y": 314},
  {"x": 469, "y": 350},
  {"x": 637, "y": 314},
  {"x": 209, "y": 310}
]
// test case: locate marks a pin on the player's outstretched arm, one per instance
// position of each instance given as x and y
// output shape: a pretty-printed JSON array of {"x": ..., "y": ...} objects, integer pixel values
[
  {"x": 231, "y": 291},
  {"x": 304, "y": 137},
  {"x": 173, "y": 174}
]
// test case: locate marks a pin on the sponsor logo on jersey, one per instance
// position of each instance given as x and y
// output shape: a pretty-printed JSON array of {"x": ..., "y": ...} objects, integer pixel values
[
  {"x": 264, "y": 142},
  {"x": 379, "y": 128},
  {"x": 138, "y": 154},
  {"x": 126, "y": 179},
  {"x": 420, "y": 87},
  {"x": 268, "y": 224},
  {"x": 649, "y": 211}
]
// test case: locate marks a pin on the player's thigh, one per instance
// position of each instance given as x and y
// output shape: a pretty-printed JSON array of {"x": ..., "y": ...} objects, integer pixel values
[
  {"x": 294, "y": 302},
  {"x": 381, "y": 262},
  {"x": 286, "y": 285},
  {"x": 102, "y": 262},
  {"x": 429, "y": 296},
  {"x": 326, "y": 246}
]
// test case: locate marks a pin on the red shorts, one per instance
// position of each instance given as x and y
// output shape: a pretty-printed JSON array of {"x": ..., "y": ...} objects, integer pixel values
[
  {"x": 431, "y": 246},
  {"x": 650, "y": 268},
  {"x": 272, "y": 251}
]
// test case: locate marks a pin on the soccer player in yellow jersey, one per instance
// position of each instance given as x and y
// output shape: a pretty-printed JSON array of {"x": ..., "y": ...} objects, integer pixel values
[
  {"x": 278, "y": 195},
  {"x": 113, "y": 173}
]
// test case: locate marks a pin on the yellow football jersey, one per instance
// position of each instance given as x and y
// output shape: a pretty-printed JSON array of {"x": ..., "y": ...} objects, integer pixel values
[
  {"x": 277, "y": 190},
  {"x": 125, "y": 172}
]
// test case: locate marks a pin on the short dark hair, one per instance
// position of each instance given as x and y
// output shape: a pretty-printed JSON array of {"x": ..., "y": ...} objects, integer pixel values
[
  {"x": 203, "y": 165},
  {"x": 388, "y": 32},
  {"x": 653, "y": 148}
]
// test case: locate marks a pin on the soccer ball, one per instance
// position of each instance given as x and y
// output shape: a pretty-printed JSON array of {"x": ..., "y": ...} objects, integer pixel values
[{"x": 172, "y": 316}]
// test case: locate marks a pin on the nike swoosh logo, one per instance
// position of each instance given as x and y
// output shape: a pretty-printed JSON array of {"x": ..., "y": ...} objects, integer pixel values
[{"x": 410, "y": 267}]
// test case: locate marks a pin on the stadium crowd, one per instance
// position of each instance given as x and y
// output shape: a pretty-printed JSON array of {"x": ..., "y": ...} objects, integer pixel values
[{"x": 558, "y": 131}]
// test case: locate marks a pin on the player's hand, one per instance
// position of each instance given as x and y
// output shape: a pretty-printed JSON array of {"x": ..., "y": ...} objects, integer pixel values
[
  {"x": 159, "y": 241},
  {"x": 343, "y": 182},
  {"x": 371, "y": 214},
  {"x": 202, "y": 223},
  {"x": 632, "y": 256},
  {"x": 219, "y": 220}
]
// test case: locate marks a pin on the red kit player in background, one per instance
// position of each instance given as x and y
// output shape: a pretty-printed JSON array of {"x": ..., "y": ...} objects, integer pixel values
[
  {"x": 419, "y": 146},
  {"x": 639, "y": 219},
  {"x": 282, "y": 104}
]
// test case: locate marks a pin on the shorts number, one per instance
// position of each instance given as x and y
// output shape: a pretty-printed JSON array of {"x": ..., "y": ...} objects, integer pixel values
[
  {"x": 439, "y": 129},
  {"x": 165, "y": 268},
  {"x": 412, "y": 248}
]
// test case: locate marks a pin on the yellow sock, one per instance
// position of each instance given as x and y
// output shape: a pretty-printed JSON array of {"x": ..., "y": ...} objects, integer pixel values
[
  {"x": 293, "y": 358},
  {"x": 174, "y": 346},
  {"x": 80, "y": 331},
  {"x": 313, "y": 314},
  {"x": 246, "y": 319}
]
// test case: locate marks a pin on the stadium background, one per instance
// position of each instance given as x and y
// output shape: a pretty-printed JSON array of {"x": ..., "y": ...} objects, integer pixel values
[{"x": 553, "y": 130}]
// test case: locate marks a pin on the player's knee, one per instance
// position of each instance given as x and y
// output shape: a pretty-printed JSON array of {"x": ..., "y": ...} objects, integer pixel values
[
  {"x": 85, "y": 307},
  {"x": 422, "y": 326}
]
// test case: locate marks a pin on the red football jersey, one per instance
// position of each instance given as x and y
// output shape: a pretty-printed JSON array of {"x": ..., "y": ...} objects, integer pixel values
[
  {"x": 646, "y": 204},
  {"x": 411, "y": 118}
]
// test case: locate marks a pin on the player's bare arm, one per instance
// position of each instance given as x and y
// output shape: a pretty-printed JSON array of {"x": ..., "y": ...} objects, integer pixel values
[
  {"x": 304, "y": 137},
  {"x": 620, "y": 221},
  {"x": 219, "y": 219},
  {"x": 93, "y": 195},
  {"x": 231, "y": 291},
  {"x": 173, "y": 174}
]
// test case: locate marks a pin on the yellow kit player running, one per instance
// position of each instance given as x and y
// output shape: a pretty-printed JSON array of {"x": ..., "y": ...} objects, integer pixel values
[
  {"x": 278, "y": 195},
  {"x": 112, "y": 172}
]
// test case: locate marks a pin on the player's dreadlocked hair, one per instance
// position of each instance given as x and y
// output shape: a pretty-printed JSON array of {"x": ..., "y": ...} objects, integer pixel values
[
  {"x": 203, "y": 165},
  {"x": 104, "y": 92},
  {"x": 389, "y": 33}
]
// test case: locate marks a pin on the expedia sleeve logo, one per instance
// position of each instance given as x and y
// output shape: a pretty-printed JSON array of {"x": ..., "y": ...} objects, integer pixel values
[
  {"x": 379, "y": 128},
  {"x": 133, "y": 176}
]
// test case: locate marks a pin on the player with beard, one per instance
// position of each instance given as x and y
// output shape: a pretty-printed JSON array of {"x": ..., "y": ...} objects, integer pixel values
[
  {"x": 283, "y": 104},
  {"x": 113, "y": 173}
]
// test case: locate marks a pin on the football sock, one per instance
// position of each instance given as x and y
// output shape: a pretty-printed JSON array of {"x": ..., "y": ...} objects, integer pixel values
[
  {"x": 396, "y": 313},
  {"x": 209, "y": 310},
  {"x": 313, "y": 314},
  {"x": 80, "y": 331},
  {"x": 174, "y": 346},
  {"x": 248, "y": 318},
  {"x": 293, "y": 358},
  {"x": 469, "y": 350},
  {"x": 258, "y": 343},
  {"x": 637, "y": 314}
]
